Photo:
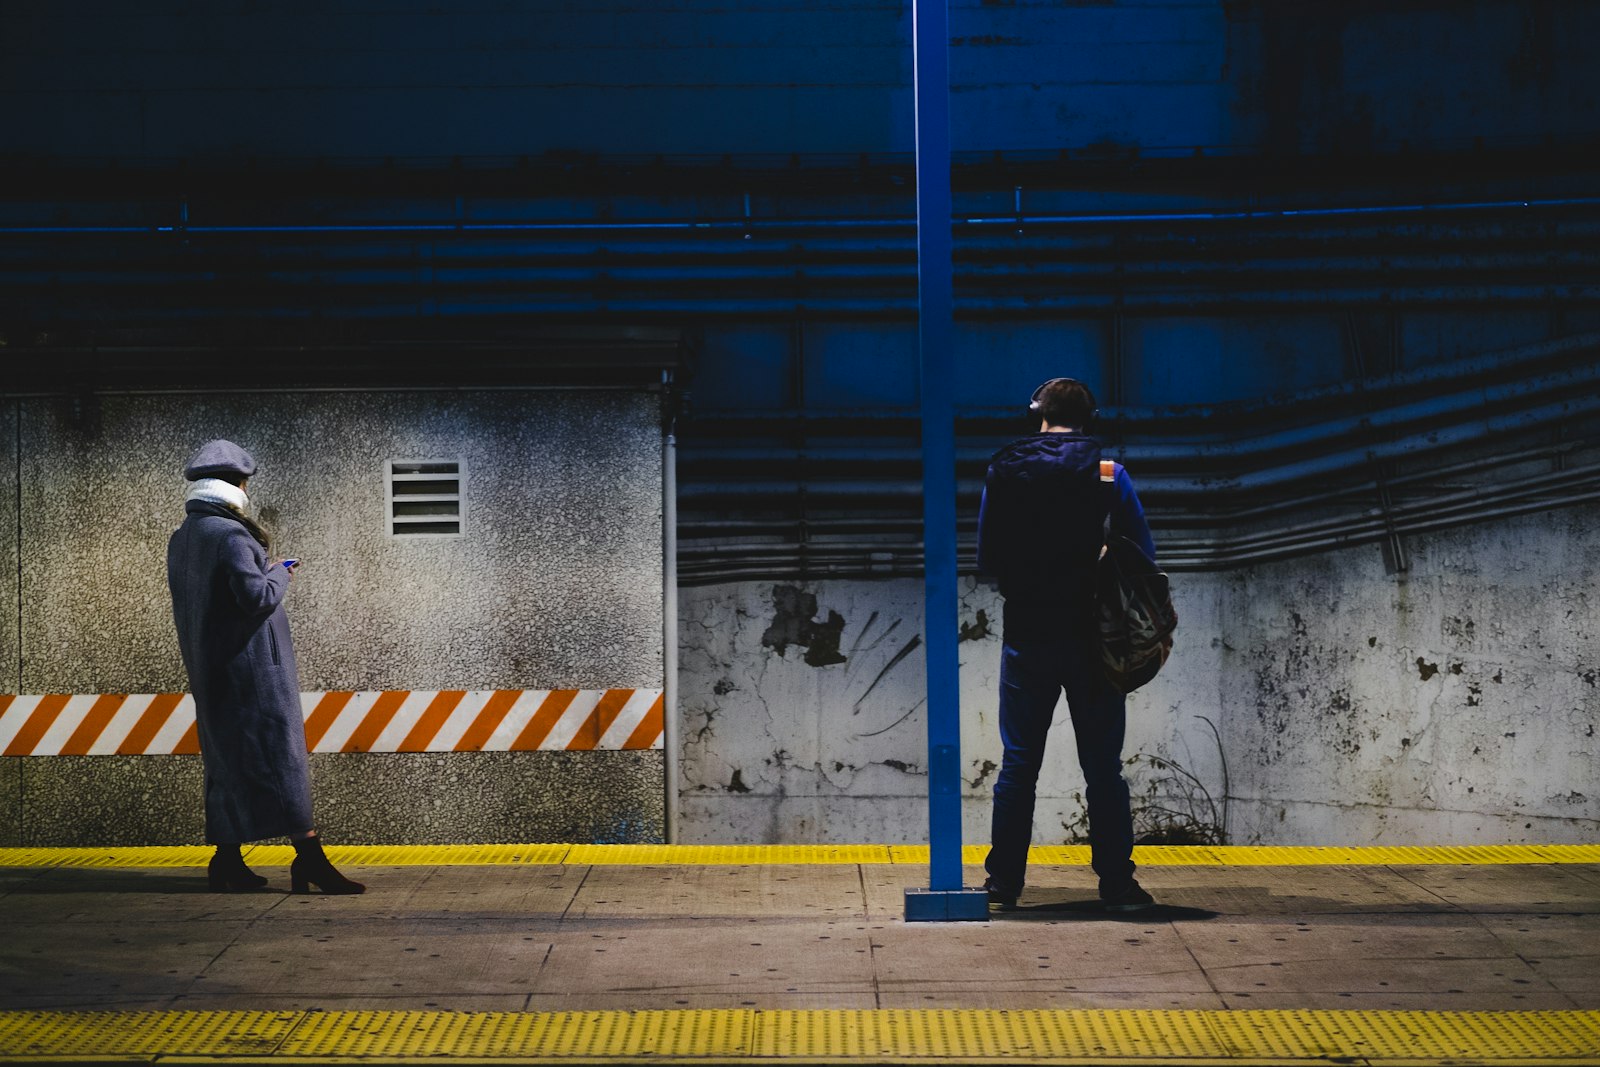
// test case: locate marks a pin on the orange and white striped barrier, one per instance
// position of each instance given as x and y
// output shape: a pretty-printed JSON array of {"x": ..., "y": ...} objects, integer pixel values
[{"x": 401, "y": 720}]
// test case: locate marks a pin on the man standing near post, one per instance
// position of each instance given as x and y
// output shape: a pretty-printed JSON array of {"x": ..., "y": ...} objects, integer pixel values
[{"x": 1040, "y": 530}]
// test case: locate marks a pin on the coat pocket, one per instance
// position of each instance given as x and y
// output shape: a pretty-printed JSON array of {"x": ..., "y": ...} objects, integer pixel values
[{"x": 272, "y": 642}]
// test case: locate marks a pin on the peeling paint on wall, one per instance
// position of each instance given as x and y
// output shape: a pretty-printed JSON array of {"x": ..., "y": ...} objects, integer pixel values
[
  {"x": 793, "y": 624},
  {"x": 1455, "y": 704},
  {"x": 977, "y": 629}
]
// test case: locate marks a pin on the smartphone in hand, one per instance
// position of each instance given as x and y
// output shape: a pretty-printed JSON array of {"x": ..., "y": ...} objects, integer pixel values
[{"x": 290, "y": 564}]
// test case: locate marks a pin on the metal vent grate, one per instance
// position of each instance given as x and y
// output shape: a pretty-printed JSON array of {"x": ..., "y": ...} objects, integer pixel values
[{"x": 424, "y": 497}]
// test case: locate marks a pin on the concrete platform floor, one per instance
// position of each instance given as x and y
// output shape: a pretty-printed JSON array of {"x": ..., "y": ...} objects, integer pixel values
[{"x": 1429, "y": 938}]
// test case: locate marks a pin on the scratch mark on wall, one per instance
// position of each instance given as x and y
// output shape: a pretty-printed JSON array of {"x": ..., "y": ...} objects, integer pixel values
[
  {"x": 906, "y": 650},
  {"x": 898, "y": 721},
  {"x": 860, "y": 644}
]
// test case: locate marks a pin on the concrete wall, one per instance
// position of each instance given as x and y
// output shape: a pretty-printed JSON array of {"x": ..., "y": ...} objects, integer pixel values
[
  {"x": 556, "y": 584},
  {"x": 802, "y": 712},
  {"x": 1455, "y": 704}
]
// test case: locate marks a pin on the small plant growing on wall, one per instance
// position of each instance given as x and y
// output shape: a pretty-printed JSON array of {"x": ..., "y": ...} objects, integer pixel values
[{"x": 1171, "y": 805}]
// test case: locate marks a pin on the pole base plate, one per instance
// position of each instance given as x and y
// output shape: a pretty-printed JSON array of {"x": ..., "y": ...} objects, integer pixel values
[{"x": 947, "y": 905}]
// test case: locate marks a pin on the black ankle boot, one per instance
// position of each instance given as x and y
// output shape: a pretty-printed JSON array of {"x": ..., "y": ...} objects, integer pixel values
[
  {"x": 311, "y": 866},
  {"x": 227, "y": 872}
]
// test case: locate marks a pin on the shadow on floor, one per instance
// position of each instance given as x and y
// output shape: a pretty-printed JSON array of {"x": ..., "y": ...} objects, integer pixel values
[
  {"x": 1094, "y": 911},
  {"x": 112, "y": 881}
]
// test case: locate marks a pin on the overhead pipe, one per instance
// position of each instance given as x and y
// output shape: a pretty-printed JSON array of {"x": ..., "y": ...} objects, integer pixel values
[
  {"x": 900, "y": 543},
  {"x": 1430, "y": 379},
  {"x": 1418, "y": 443},
  {"x": 702, "y": 566},
  {"x": 749, "y": 225},
  {"x": 1223, "y": 558},
  {"x": 1440, "y": 506},
  {"x": 1343, "y": 492},
  {"x": 138, "y": 305},
  {"x": 976, "y": 254},
  {"x": 725, "y": 526},
  {"x": 1434, "y": 507},
  {"x": 1277, "y": 443},
  {"x": 398, "y": 270},
  {"x": 1457, "y": 374}
]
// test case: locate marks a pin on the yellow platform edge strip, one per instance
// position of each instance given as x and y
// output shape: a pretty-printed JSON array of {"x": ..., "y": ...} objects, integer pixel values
[
  {"x": 117, "y": 856},
  {"x": 812, "y": 1036}
]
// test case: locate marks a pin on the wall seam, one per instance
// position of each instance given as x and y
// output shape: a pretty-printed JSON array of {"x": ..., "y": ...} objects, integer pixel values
[{"x": 17, "y": 460}]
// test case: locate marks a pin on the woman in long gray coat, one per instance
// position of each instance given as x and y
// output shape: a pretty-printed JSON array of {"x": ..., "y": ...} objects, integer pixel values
[{"x": 227, "y": 602}]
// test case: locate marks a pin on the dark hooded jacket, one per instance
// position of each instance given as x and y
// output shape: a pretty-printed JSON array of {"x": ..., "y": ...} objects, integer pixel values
[
  {"x": 227, "y": 603},
  {"x": 1041, "y": 523}
]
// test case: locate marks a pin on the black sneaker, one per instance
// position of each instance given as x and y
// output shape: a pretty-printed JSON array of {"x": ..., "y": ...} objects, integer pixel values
[
  {"x": 1130, "y": 897},
  {"x": 1000, "y": 901}
]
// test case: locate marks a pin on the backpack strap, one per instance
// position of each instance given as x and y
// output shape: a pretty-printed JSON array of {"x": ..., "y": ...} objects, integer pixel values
[{"x": 1108, "y": 478}]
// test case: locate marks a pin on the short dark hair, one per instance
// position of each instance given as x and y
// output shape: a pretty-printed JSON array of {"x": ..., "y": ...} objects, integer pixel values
[{"x": 1066, "y": 402}]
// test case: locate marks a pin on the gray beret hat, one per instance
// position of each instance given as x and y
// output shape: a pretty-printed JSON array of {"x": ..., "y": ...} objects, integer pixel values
[{"x": 220, "y": 457}]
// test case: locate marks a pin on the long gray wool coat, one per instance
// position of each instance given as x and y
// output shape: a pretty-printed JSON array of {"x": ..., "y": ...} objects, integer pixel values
[{"x": 227, "y": 601}]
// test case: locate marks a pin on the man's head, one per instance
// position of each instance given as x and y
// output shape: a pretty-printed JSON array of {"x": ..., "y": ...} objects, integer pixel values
[{"x": 1064, "y": 403}]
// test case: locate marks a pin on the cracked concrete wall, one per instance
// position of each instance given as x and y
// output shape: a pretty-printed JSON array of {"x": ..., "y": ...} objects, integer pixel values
[
  {"x": 1455, "y": 704},
  {"x": 800, "y": 709}
]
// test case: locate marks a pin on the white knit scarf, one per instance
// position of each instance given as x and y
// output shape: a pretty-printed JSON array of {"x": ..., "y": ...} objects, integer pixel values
[{"x": 217, "y": 491}]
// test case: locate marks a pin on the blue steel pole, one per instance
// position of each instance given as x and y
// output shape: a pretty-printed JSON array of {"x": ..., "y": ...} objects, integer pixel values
[{"x": 945, "y": 898}]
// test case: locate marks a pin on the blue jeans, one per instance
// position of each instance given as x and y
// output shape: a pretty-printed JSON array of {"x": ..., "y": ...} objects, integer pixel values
[{"x": 1036, "y": 666}]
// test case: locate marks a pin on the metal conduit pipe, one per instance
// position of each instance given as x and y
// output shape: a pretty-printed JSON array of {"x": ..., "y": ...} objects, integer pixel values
[
  {"x": 223, "y": 296},
  {"x": 721, "y": 548},
  {"x": 543, "y": 268},
  {"x": 1427, "y": 442},
  {"x": 604, "y": 268},
  {"x": 462, "y": 246},
  {"x": 657, "y": 266},
  {"x": 1498, "y": 461},
  {"x": 146, "y": 304},
  {"x": 1223, "y": 558},
  {"x": 1393, "y": 419},
  {"x": 742, "y": 225},
  {"x": 724, "y": 527},
  {"x": 1561, "y": 485},
  {"x": 1438, "y": 507},
  {"x": 1153, "y": 486},
  {"x": 702, "y": 566},
  {"x": 1430, "y": 378}
]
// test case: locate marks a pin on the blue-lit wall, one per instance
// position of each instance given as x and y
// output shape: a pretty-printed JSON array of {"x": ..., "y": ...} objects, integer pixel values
[
  {"x": 484, "y": 78},
  {"x": 1220, "y": 213}
]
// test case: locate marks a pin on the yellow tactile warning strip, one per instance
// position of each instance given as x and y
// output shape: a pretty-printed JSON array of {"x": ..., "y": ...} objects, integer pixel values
[
  {"x": 754, "y": 855},
  {"x": 818, "y": 1036}
]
